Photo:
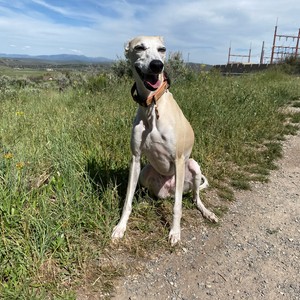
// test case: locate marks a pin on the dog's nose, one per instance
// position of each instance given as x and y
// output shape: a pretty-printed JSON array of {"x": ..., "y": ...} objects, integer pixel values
[{"x": 156, "y": 66}]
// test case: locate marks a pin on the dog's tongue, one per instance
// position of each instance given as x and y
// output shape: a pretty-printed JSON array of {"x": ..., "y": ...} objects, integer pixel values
[
  {"x": 152, "y": 81},
  {"x": 153, "y": 84}
]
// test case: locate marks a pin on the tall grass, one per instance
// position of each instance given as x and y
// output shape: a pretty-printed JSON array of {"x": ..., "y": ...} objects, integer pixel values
[
  {"x": 234, "y": 116},
  {"x": 64, "y": 164}
]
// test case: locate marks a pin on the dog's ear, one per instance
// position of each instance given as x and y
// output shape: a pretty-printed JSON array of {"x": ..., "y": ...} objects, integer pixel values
[
  {"x": 126, "y": 49},
  {"x": 161, "y": 38}
]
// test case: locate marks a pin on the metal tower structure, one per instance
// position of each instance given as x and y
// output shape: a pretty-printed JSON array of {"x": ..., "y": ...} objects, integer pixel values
[
  {"x": 248, "y": 56},
  {"x": 280, "y": 52}
]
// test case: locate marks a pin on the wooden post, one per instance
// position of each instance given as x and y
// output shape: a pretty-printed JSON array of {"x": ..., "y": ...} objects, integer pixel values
[
  {"x": 262, "y": 53},
  {"x": 273, "y": 47},
  {"x": 297, "y": 44},
  {"x": 229, "y": 53}
]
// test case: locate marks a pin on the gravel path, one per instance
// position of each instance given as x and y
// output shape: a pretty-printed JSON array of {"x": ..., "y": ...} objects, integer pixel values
[{"x": 254, "y": 254}]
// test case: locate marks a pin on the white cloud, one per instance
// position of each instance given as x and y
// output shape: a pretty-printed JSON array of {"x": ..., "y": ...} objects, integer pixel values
[
  {"x": 201, "y": 29},
  {"x": 52, "y": 7},
  {"x": 76, "y": 51}
]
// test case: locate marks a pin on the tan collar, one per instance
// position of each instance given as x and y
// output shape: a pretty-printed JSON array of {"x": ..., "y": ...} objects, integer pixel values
[{"x": 154, "y": 97}]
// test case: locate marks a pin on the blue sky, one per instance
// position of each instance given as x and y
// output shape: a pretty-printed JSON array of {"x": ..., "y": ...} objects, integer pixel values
[{"x": 201, "y": 29}]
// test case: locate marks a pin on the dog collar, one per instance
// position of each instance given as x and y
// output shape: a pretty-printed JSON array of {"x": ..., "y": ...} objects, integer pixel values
[{"x": 154, "y": 97}]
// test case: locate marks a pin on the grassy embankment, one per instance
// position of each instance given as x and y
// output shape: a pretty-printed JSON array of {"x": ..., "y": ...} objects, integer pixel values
[{"x": 64, "y": 162}]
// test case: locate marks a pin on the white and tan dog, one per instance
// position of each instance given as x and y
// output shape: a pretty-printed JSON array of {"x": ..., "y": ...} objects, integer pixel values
[{"x": 163, "y": 134}]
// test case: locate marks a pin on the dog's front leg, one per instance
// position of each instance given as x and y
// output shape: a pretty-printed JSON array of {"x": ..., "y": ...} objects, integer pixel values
[
  {"x": 174, "y": 235},
  {"x": 134, "y": 173}
]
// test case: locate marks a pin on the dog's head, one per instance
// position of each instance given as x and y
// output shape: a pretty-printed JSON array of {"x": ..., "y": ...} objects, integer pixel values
[{"x": 147, "y": 56}]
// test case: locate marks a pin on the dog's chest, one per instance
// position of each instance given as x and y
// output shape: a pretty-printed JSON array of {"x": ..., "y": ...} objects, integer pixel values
[
  {"x": 159, "y": 148},
  {"x": 155, "y": 140}
]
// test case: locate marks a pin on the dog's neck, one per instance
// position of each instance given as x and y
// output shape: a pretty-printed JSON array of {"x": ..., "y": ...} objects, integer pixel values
[{"x": 145, "y": 97}]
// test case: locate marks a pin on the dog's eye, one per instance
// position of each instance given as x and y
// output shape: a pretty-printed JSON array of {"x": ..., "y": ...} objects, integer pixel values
[
  {"x": 162, "y": 49},
  {"x": 140, "y": 48}
]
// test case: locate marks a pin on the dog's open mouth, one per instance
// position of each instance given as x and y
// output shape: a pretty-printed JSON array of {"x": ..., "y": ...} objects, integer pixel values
[{"x": 151, "y": 81}]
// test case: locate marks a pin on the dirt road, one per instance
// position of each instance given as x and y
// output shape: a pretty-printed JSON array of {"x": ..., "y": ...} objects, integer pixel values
[{"x": 254, "y": 254}]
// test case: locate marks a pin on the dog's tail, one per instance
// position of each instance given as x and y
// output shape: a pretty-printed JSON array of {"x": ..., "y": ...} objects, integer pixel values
[{"x": 204, "y": 182}]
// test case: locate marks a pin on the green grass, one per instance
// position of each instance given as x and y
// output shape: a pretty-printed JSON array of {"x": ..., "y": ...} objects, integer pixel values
[
  {"x": 296, "y": 104},
  {"x": 295, "y": 117},
  {"x": 64, "y": 160},
  {"x": 21, "y": 72}
]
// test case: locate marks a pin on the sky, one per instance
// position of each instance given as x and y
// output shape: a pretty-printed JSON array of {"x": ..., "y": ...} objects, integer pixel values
[{"x": 202, "y": 30}]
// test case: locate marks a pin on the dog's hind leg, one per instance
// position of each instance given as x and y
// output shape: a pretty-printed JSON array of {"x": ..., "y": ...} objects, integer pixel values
[
  {"x": 157, "y": 184},
  {"x": 199, "y": 182}
]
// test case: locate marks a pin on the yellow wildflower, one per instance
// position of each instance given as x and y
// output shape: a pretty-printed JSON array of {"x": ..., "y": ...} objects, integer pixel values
[
  {"x": 20, "y": 165},
  {"x": 8, "y": 155},
  {"x": 20, "y": 113}
]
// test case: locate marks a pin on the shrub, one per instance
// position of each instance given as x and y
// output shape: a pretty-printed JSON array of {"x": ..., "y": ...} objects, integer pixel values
[
  {"x": 97, "y": 83},
  {"x": 121, "y": 68},
  {"x": 176, "y": 67},
  {"x": 291, "y": 65}
]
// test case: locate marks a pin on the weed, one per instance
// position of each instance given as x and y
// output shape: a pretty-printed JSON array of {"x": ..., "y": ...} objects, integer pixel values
[
  {"x": 240, "y": 181},
  {"x": 296, "y": 104},
  {"x": 241, "y": 184},
  {"x": 220, "y": 211},
  {"x": 290, "y": 129},
  {"x": 295, "y": 117},
  {"x": 226, "y": 194}
]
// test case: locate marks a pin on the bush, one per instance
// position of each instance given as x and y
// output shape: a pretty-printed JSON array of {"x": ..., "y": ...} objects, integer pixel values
[
  {"x": 97, "y": 83},
  {"x": 7, "y": 82},
  {"x": 121, "y": 68},
  {"x": 176, "y": 67},
  {"x": 291, "y": 65}
]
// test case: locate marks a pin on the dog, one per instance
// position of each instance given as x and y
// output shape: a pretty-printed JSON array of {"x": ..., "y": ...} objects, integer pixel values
[{"x": 162, "y": 133}]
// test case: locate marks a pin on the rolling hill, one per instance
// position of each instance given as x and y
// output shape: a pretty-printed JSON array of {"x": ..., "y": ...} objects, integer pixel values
[{"x": 58, "y": 58}]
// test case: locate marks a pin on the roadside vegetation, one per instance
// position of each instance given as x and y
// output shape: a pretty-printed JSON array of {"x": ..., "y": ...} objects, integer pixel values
[{"x": 64, "y": 157}]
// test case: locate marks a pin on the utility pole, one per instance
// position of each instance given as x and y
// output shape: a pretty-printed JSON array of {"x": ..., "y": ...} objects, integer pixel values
[
  {"x": 249, "y": 53},
  {"x": 262, "y": 53},
  {"x": 274, "y": 42},
  {"x": 229, "y": 53},
  {"x": 297, "y": 44}
]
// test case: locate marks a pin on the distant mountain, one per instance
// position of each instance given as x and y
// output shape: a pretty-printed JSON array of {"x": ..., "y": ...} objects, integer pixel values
[{"x": 58, "y": 58}]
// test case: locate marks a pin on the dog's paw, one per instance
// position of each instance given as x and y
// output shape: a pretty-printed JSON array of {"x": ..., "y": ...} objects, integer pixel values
[
  {"x": 174, "y": 237},
  {"x": 211, "y": 217},
  {"x": 207, "y": 214},
  {"x": 118, "y": 232}
]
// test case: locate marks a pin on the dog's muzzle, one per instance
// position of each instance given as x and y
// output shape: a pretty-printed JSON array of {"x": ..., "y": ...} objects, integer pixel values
[
  {"x": 151, "y": 78},
  {"x": 156, "y": 66}
]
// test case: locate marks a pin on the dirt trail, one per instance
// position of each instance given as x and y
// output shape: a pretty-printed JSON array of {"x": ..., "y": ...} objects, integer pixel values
[{"x": 254, "y": 254}]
